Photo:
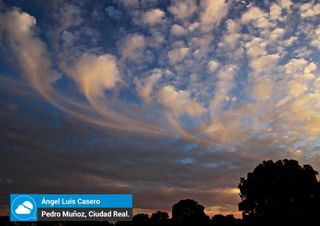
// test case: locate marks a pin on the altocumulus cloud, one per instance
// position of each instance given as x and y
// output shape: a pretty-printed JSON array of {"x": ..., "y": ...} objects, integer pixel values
[{"x": 186, "y": 95}]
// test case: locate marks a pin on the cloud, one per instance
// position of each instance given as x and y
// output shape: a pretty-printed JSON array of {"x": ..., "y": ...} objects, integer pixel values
[
  {"x": 212, "y": 14},
  {"x": 275, "y": 11},
  {"x": 252, "y": 14},
  {"x": 22, "y": 210},
  {"x": 157, "y": 39},
  {"x": 213, "y": 66},
  {"x": 286, "y": 4},
  {"x": 30, "y": 51},
  {"x": 264, "y": 62},
  {"x": 153, "y": 16},
  {"x": 256, "y": 47},
  {"x": 295, "y": 66},
  {"x": 202, "y": 45},
  {"x": 194, "y": 26},
  {"x": 259, "y": 59},
  {"x": 145, "y": 88},
  {"x": 36, "y": 65},
  {"x": 262, "y": 90},
  {"x": 179, "y": 102},
  {"x": 309, "y": 10},
  {"x": 297, "y": 88},
  {"x": 183, "y": 9},
  {"x": 316, "y": 38},
  {"x": 231, "y": 40},
  {"x": 177, "y": 55},
  {"x": 277, "y": 33},
  {"x": 178, "y": 30},
  {"x": 133, "y": 47},
  {"x": 257, "y": 17},
  {"x": 129, "y": 4},
  {"x": 95, "y": 74},
  {"x": 113, "y": 12},
  {"x": 211, "y": 83},
  {"x": 222, "y": 92},
  {"x": 225, "y": 84},
  {"x": 68, "y": 38}
]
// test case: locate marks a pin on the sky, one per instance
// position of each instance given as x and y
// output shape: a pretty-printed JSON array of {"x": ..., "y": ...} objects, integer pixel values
[{"x": 166, "y": 100}]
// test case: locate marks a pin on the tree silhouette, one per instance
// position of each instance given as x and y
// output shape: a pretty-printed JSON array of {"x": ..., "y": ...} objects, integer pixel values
[
  {"x": 159, "y": 219},
  {"x": 275, "y": 193},
  {"x": 140, "y": 220},
  {"x": 229, "y": 220},
  {"x": 123, "y": 223},
  {"x": 280, "y": 192},
  {"x": 189, "y": 212},
  {"x": 5, "y": 221}
]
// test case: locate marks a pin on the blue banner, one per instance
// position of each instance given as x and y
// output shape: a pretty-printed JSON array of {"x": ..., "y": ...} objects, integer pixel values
[{"x": 24, "y": 207}]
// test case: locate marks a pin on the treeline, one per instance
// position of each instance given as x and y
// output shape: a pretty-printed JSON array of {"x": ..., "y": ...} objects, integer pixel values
[
  {"x": 185, "y": 213},
  {"x": 275, "y": 193}
]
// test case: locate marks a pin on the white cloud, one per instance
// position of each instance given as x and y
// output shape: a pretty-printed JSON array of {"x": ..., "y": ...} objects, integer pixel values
[
  {"x": 202, "y": 45},
  {"x": 256, "y": 16},
  {"x": 153, "y": 16},
  {"x": 95, "y": 73},
  {"x": 295, "y": 66},
  {"x": 232, "y": 26},
  {"x": 310, "y": 68},
  {"x": 31, "y": 52},
  {"x": 133, "y": 47},
  {"x": 252, "y": 14},
  {"x": 213, "y": 12},
  {"x": 290, "y": 41},
  {"x": 177, "y": 55},
  {"x": 275, "y": 11},
  {"x": 231, "y": 40},
  {"x": 194, "y": 26},
  {"x": 23, "y": 23},
  {"x": 183, "y": 9},
  {"x": 264, "y": 62},
  {"x": 145, "y": 87},
  {"x": 297, "y": 88},
  {"x": 224, "y": 85},
  {"x": 300, "y": 71},
  {"x": 230, "y": 44},
  {"x": 213, "y": 66},
  {"x": 256, "y": 47},
  {"x": 262, "y": 89},
  {"x": 22, "y": 210},
  {"x": 156, "y": 39},
  {"x": 179, "y": 102},
  {"x": 286, "y": 4},
  {"x": 259, "y": 59},
  {"x": 276, "y": 34},
  {"x": 192, "y": 55},
  {"x": 315, "y": 38},
  {"x": 309, "y": 10},
  {"x": 178, "y": 30}
]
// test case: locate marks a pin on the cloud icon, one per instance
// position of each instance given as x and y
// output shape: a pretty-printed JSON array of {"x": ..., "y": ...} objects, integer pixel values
[
  {"x": 24, "y": 208},
  {"x": 28, "y": 205}
]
